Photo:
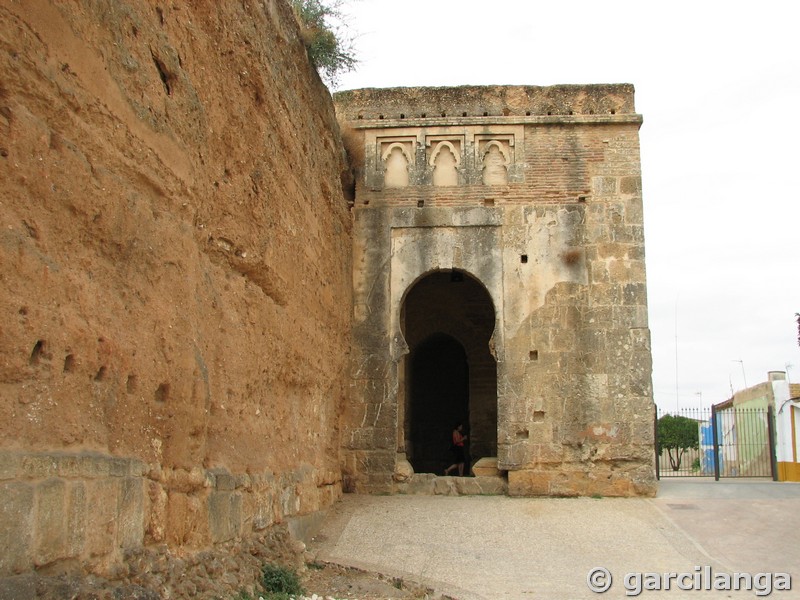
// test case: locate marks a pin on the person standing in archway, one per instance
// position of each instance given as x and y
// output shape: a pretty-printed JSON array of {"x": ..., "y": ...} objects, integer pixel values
[{"x": 457, "y": 448}]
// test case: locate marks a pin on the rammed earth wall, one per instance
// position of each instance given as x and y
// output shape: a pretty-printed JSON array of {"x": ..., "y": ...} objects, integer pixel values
[{"x": 175, "y": 283}]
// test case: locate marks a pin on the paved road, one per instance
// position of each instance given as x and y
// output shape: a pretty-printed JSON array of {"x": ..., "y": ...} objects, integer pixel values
[{"x": 495, "y": 547}]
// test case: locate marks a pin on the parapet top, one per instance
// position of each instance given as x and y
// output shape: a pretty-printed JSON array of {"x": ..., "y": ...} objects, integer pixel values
[{"x": 477, "y": 101}]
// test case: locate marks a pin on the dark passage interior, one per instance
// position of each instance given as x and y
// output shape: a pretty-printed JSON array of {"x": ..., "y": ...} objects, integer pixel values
[
  {"x": 450, "y": 374},
  {"x": 439, "y": 398}
]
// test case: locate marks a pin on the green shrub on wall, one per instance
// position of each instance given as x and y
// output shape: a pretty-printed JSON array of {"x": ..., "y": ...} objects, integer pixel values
[{"x": 329, "y": 50}]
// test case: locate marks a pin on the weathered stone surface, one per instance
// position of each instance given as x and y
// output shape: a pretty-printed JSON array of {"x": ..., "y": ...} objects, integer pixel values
[
  {"x": 560, "y": 100},
  {"x": 430, "y": 484},
  {"x": 51, "y": 537},
  {"x": 131, "y": 513},
  {"x": 224, "y": 515},
  {"x": 102, "y": 503},
  {"x": 486, "y": 467},
  {"x": 403, "y": 471},
  {"x": 9, "y": 465},
  {"x": 16, "y": 527},
  {"x": 534, "y": 196}
]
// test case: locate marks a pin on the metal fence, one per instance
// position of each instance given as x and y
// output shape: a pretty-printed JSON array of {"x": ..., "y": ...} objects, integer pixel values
[{"x": 716, "y": 442}]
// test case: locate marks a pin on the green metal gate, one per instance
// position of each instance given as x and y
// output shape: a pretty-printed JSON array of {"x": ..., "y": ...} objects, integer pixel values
[{"x": 716, "y": 442}]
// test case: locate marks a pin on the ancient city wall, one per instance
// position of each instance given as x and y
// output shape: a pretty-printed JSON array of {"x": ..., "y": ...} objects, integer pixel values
[
  {"x": 528, "y": 200},
  {"x": 175, "y": 283}
]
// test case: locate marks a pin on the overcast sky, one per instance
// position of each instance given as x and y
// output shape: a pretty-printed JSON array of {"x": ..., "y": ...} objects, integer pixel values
[{"x": 718, "y": 84}]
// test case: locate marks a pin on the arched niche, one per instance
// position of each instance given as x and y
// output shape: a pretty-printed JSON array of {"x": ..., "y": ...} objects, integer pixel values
[
  {"x": 495, "y": 164},
  {"x": 445, "y": 160},
  {"x": 396, "y": 161}
]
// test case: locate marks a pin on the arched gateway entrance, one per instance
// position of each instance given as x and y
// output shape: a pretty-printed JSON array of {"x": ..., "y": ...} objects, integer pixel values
[{"x": 449, "y": 375}]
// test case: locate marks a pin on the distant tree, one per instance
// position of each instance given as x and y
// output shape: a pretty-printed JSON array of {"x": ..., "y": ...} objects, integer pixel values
[
  {"x": 677, "y": 435},
  {"x": 329, "y": 49}
]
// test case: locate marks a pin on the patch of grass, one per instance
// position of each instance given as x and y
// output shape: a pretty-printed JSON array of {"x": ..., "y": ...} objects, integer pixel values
[
  {"x": 280, "y": 582},
  {"x": 317, "y": 566},
  {"x": 597, "y": 496}
]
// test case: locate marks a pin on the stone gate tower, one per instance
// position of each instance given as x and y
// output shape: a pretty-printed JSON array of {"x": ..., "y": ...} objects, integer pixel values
[{"x": 499, "y": 281}]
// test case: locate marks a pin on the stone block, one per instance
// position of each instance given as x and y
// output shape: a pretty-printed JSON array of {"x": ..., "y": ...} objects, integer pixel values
[
  {"x": 223, "y": 480},
  {"x": 419, "y": 483},
  {"x": 39, "y": 466},
  {"x": 630, "y": 185},
  {"x": 9, "y": 465},
  {"x": 131, "y": 513},
  {"x": 613, "y": 250},
  {"x": 403, "y": 471},
  {"x": 369, "y": 366},
  {"x": 529, "y": 483},
  {"x": 16, "y": 527},
  {"x": 374, "y": 483},
  {"x": 486, "y": 467},
  {"x": 445, "y": 486},
  {"x": 76, "y": 518},
  {"x": 634, "y": 294},
  {"x": 548, "y": 453},
  {"x": 224, "y": 516},
  {"x": 21, "y": 587},
  {"x": 118, "y": 467},
  {"x": 380, "y": 462},
  {"x": 604, "y": 186},
  {"x": 605, "y": 294},
  {"x": 95, "y": 466},
  {"x": 491, "y": 486},
  {"x": 288, "y": 500},
  {"x": 102, "y": 501},
  {"x": 50, "y": 527},
  {"x": 70, "y": 465},
  {"x": 137, "y": 468},
  {"x": 609, "y": 486},
  {"x": 570, "y": 484},
  {"x": 467, "y": 486}
]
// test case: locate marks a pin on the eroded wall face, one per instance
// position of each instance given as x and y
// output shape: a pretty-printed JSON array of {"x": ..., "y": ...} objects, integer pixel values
[
  {"x": 536, "y": 194},
  {"x": 175, "y": 279}
]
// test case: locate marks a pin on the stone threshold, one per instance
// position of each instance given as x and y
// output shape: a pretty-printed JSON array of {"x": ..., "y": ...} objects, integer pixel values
[{"x": 449, "y": 485}]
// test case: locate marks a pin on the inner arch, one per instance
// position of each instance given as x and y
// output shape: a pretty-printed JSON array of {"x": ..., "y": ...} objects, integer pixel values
[{"x": 450, "y": 374}]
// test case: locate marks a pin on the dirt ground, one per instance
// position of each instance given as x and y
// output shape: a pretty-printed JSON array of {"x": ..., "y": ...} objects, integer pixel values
[{"x": 346, "y": 583}]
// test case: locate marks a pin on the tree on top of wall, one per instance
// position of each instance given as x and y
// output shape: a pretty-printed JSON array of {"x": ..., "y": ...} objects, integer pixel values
[
  {"x": 329, "y": 49},
  {"x": 678, "y": 435}
]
